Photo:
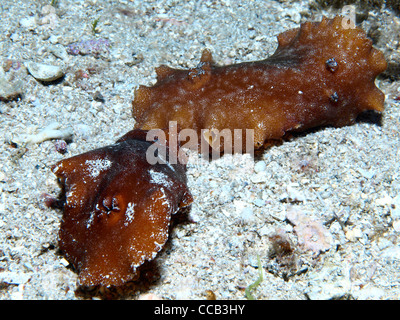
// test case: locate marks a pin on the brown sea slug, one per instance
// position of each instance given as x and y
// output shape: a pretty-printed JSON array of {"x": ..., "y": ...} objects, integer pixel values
[{"x": 321, "y": 74}]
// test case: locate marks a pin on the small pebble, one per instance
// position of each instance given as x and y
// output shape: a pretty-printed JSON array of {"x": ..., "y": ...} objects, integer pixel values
[
  {"x": 98, "y": 97},
  {"x": 384, "y": 244},
  {"x": 353, "y": 234},
  {"x": 59, "y": 51},
  {"x": 136, "y": 59},
  {"x": 14, "y": 37},
  {"x": 53, "y": 39},
  {"x": 244, "y": 211},
  {"x": 386, "y": 200},
  {"x": 395, "y": 213},
  {"x": 64, "y": 262},
  {"x": 9, "y": 91},
  {"x": 28, "y": 23},
  {"x": 391, "y": 252},
  {"x": 294, "y": 195},
  {"x": 247, "y": 215},
  {"x": 61, "y": 146},
  {"x": 44, "y": 72},
  {"x": 49, "y": 17},
  {"x": 260, "y": 166},
  {"x": 83, "y": 131},
  {"x": 7, "y": 65}
]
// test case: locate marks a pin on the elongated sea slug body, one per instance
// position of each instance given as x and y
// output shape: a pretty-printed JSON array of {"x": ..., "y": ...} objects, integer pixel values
[
  {"x": 321, "y": 74},
  {"x": 117, "y": 209}
]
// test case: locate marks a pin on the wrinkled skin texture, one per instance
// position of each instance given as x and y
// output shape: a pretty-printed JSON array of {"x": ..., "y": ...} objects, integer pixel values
[
  {"x": 321, "y": 74},
  {"x": 117, "y": 209}
]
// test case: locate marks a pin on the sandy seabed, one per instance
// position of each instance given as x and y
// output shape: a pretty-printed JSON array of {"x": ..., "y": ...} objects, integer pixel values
[{"x": 341, "y": 183}]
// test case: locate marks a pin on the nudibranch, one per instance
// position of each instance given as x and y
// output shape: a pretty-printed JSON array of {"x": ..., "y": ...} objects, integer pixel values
[
  {"x": 322, "y": 73},
  {"x": 117, "y": 208}
]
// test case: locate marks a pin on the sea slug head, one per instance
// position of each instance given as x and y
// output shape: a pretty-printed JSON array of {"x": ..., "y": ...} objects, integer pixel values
[{"x": 342, "y": 65}]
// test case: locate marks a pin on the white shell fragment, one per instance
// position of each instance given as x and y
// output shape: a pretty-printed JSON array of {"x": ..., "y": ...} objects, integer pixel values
[
  {"x": 52, "y": 131},
  {"x": 59, "y": 51},
  {"x": 44, "y": 72},
  {"x": 11, "y": 277}
]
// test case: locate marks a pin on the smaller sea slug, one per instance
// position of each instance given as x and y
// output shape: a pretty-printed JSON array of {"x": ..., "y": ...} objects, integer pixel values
[{"x": 117, "y": 209}]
